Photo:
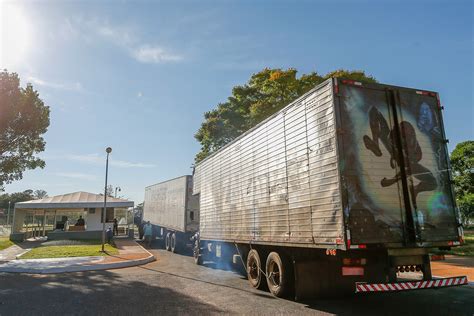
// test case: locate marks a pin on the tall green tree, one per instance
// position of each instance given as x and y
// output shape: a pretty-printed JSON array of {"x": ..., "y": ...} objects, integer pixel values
[
  {"x": 16, "y": 197},
  {"x": 462, "y": 164},
  {"x": 23, "y": 120},
  {"x": 266, "y": 92},
  {"x": 39, "y": 194}
]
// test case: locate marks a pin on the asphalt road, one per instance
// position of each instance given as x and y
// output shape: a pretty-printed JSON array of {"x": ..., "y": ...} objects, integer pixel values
[{"x": 175, "y": 285}]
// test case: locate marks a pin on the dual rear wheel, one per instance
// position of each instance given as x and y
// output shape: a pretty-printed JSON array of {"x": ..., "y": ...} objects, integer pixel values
[
  {"x": 170, "y": 242},
  {"x": 277, "y": 274}
]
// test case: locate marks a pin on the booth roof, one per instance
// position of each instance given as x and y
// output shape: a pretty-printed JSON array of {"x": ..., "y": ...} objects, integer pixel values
[{"x": 74, "y": 200}]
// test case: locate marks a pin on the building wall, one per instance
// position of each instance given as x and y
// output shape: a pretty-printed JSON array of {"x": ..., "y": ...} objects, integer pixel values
[{"x": 93, "y": 221}]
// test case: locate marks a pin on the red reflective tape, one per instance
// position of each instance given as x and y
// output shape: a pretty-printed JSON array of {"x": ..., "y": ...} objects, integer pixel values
[{"x": 411, "y": 285}]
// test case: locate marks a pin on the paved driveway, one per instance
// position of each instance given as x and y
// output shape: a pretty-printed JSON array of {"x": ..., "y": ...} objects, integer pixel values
[{"x": 173, "y": 284}]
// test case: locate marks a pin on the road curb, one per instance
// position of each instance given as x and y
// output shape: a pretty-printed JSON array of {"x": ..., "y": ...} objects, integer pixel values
[{"x": 84, "y": 266}]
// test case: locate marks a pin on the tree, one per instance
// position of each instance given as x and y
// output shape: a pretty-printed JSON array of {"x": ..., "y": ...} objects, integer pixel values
[
  {"x": 267, "y": 92},
  {"x": 109, "y": 191},
  {"x": 462, "y": 164},
  {"x": 23, "y": 120},
  {"x": 16, "y": 197},
  {"x": 39, "y": 194}
]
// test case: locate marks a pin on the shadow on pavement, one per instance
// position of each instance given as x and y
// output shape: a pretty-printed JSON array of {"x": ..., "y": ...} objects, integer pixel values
[{"x": 91, "y": 293}]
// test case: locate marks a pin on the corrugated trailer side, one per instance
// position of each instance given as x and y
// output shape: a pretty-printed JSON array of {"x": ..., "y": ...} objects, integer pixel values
[
  {"x": 348, "y": 166},
  {"x": 173, "y": 210},
  {"x": 278, "y": 183}
]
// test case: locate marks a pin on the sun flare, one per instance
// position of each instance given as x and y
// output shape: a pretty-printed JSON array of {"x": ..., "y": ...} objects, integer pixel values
[{"x": 16, "y": 38}]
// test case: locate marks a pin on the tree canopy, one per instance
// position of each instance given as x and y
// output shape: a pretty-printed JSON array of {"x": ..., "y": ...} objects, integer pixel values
[
  {"x": 462, "y": 164},
  {"x": 23, "y": 120},
  {"x": 266, "y": 92}
]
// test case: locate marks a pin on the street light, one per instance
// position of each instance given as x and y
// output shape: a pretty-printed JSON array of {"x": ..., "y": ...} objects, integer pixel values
[
  {"x": 119, "y": 189},
  {"x": 104, "y": 210}
]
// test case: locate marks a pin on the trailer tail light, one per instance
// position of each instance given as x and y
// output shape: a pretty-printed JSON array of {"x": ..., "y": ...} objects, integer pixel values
[
  {"x": 352, "y": 82},
  {"x": 354, "y": 261},
  {"x": 432, "y": 94},
  {"x": 362, "y": 246},
  {"x": 348, "y": 271}
]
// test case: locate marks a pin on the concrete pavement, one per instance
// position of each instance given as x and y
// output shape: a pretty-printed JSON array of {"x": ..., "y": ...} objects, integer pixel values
[{"x": 454, "y": 266}]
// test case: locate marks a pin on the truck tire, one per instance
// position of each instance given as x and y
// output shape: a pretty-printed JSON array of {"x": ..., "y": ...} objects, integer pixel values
[
  {"x": 197, "y": 253},
  {"x": 173, "y": 243},
  {"x": 254, "y": 269},
  {"x": 279, "y": 275},
  {"x": 168, "y": 241}
]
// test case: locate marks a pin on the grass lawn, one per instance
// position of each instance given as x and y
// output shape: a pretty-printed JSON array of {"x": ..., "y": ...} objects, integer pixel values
[
  {"x": 76, "y": 250},
  {"x": 5, "y": 243},
  {"x": 465, "y": 250}
]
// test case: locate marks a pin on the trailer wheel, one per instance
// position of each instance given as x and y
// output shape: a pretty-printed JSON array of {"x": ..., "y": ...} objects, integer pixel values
[
  {"x": 254, "y": 269},
  {"x": 173, "y": 245},
  {"x": 197, "y": 253},
  {"x": 279, "y": 275},
  {"x": 168, "y": 241}
]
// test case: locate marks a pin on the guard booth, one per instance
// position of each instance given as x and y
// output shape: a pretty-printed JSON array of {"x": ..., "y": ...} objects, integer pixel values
[{"x": 70, "y": 216}]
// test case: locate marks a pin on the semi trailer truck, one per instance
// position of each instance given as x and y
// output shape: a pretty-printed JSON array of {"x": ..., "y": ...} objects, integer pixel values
[
  {"x": 173, "y": 211},
  {"x": 346, "y": 188}
]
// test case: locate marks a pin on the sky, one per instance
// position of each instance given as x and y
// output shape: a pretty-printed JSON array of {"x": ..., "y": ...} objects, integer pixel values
[{"x": 138, "y": 75}]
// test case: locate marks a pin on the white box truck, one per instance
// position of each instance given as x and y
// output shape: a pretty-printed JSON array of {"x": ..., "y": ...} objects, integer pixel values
[
  {"x": 346, "y": 188},
  {"x": 173, "y": 211}
]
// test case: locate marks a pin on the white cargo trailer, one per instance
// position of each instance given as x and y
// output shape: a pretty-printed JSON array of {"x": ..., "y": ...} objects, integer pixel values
[
  {"x": 348, "y": 185},
  {"x": 172, "y": 210}
]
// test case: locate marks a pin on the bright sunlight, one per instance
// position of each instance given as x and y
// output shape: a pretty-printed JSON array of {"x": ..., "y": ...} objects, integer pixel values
[{"x": 16, "y": 36}]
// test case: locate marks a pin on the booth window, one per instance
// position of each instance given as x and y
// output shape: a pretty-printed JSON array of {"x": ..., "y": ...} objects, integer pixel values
[{"x": 109, "y": 215}]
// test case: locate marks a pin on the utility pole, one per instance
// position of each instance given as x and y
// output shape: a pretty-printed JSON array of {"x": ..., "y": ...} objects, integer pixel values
[{"x": 104, "y": 210}]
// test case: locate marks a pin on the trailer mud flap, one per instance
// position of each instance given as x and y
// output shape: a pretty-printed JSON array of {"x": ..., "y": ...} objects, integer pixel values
[{"x": 362, "y": 287}]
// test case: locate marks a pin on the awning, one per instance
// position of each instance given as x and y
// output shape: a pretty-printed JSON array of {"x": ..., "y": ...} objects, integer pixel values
[{"x": 73, "y": 200}]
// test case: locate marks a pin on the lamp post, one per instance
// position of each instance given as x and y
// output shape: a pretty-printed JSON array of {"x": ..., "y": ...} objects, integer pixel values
[
  {"x": 119, "y": 189},
  {"x": 104, "y": 210}
]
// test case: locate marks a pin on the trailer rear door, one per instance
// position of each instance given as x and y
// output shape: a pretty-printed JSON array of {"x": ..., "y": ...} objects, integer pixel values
[
  {"x": 394, "y": 167},
  {"x": 427, "y": 166}
]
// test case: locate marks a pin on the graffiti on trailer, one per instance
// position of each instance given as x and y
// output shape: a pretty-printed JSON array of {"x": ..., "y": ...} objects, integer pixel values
[{"x": 381, "y": 133}]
